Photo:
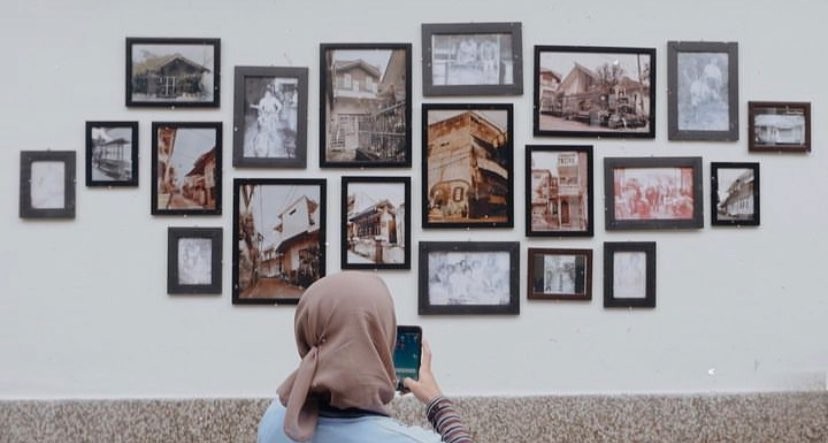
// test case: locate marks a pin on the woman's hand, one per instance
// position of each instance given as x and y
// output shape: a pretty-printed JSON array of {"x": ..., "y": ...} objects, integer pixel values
[{"x": 425, "y": 389}]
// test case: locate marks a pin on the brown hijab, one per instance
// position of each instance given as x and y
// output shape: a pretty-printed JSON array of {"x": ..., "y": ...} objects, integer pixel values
[{"x": 345, "y": 331}]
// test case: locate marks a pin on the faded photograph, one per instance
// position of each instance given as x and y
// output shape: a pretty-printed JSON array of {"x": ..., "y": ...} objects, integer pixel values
[
  {"x": 560, "y": 191},
  {"x": 472, "y": 59},
  {"x": 195, "y": 261},
  {"x": 271, "y": 113},
  {"x": 375, "y": 227},
  {"x": 779, "y": 127},
  {"x": 187, "y": 168},
  {"x": 47, "y": 188},
  {"x": 629, "y": 275},
  {"x": 703, "y": 91},
  {"x": 468, "y": 278},
  {"x": 112, "y": 153},
  {"x": 173, "y": 72},
  {"x": 735, "y": 194},
  {"x": 653, "y": 193}
]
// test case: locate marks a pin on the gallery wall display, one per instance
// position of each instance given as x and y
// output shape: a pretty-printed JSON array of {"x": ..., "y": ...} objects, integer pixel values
[
  {"x": 559, "y": 274},
  {"x": 629, "y": 274},
  {"x": 194, "y": 260},
  {"x": 779, "y": 126},
  {"x": 734, "y": 194},
  {"x": 112, "y": 153},
  {"x": 47, "y": 184}
]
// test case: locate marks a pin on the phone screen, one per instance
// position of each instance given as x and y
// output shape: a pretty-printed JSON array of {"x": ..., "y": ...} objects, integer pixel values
[{"x": 407, "y": 353}]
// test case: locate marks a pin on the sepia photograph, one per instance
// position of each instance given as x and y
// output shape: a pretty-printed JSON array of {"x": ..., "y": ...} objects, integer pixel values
[
  {"x": 194, "y": 260},
  {"x": 629, "y": 274},
  {"x": 112, "y": 154},
  {"x": 559, "y": 191},
  {"x": 560, "y": 274},
  {"x": 779, "y": 126},
  {"x": 734, "y": 194},
  {"x": 47, "y": 184},
  {"x": 365, "y": 109}
]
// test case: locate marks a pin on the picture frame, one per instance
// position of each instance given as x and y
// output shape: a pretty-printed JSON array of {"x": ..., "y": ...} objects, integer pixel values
[
  {"x": 629, "y": 274},
  {"x": 194, "y": 260},
  {"x": 270, "y": 117},
  {"x": 594, "y": 91},
  {"x": 779, "y": 126},
  {"x": 186, "y": 168},
  {"x": 279, "y": 225},
  {"x": 559, "y": 191},
  {"x": 47, "y": 184},
  {"x": 703, "y": 91},
  {"x": 734, "y": 194},
  {"x": 376, "y": 223},
  {"x": 365, "y": 105},
  {"x": 472, "y": 59},
  {"x": 174, "y": 72},
  {"x": 464, "y": 187},
  {"x": 469, "y": 278},
  {"x": 653, "y": 193},
  {"x": 559, "y": 274},
  {"x": 112, "y": 153}
]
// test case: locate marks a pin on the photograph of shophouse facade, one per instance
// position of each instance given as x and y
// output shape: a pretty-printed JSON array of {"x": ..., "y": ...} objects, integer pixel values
[
  {"x": 187, "y": 170},
  {"x": 375, "y": 228},
  {"x": 736, "y": 194},
  {"x": 173, "y": 72},
  {"x": 779, "y": 127},
  {"x": 653, "y": 193},
  {"x": 559, "y": 198},
  {"x": 112, "y": 154}
]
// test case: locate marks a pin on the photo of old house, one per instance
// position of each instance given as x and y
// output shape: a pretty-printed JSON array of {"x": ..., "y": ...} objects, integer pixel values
[
  {"x": 559, "y": 184},
  {"x": 735, "y": 193},
  {"x": 112, "y": 153},
  {"x": 779, "y": 126},
  {"x": 375, "y": 225}
]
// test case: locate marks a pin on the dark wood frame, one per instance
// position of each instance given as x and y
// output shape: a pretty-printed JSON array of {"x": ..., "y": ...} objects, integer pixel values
[
  {"x": 431, "y": 29},
  {"x": 610, "y": 248},
  {"x": 68, "y": 160},
  {"x": 753, "y": 111},
  {"x": 133, "y": 181},
  {"x": 540, "y": 252},
  {"x": 714, "y": 193},
  {"x": 174, "y": 234}
]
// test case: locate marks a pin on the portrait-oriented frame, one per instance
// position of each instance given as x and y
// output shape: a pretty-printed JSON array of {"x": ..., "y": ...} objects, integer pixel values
[
  {"x": 132, "y": 180},
  {"x": 756, "y": 108},
  {"x": 744, "y": 189},
  {"x": 27, "y": 158},
  {"x": 610, "y": 298},
  {"x": 534, "y": 277},
  {"x": 174, "y": 285}
]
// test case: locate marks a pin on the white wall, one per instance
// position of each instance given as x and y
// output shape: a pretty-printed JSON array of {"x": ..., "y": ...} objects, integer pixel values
[{"x": 83, "y": 304}]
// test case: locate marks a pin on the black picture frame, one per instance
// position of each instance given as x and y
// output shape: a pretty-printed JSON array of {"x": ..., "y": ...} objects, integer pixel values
[
  {"x": 186, "y": 262},
  {"x": 594, "y": 97},
  {"x": 502, "y": 269},
  {"x": 451, "y": 202},
  {"x": 628, "y": 290},
  {"x": 696, "y": 94},
  {"x": 198, "y": 191},
  {"x": 41, "y": 190},
  {"x": 376, "y": 223},
  {"x": 273, "y": 131},
  {"x": 785, "y": 127},
  {"x": 659, "y": 203},
  {"x": 507, "y": 75},
  {"x": 368, "y": 113},
  {"x": 112, "y": 153},
  {"x": 280, "y": 226},
  {"x": 555, "y": 204},
  {"x": 734, "y": 194},
  {"x": 187, "y": 84},
  {"x": 559, "y": 274}
]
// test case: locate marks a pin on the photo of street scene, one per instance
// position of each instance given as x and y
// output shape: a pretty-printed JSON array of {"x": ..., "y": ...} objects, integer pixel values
[
  {"x": 703, "y": 91},
  {"x": 271, "y": 115},
  {"x": 112, "y": 153},
  {"x": 560, "y": 184},
  {"x": 561, "y": 274},
  {"x": 187, "y": 173},
  {"x": 173, "y": 72},
  {"x": 469, "y": 278},
  {"x": 471, "y": 59},
  {"x": 375, "y": 225},
  {"x": 653, "y": 193},
  {"x": 735, "y": 194}
]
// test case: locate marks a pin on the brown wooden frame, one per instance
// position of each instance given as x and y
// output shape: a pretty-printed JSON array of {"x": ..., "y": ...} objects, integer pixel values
[
  {"x": 753, "y": 112},
  {"x": 531, "y": 287}
]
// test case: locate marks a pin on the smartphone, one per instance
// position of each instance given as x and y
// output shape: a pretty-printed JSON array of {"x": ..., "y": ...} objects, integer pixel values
[{"x": 407, "y": 353}]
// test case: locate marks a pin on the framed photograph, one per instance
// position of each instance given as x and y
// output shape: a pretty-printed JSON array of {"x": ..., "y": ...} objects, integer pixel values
[
  {"x": 365, "y": 105},
  {"x": 560, "y": 274},
  {"x": 270, "y": 116},
  {"x": 472, "y": 59},
  {"x": 559, "y": 191},
  {"x": 194, "y": 260},
  {"x": 653, "y": 193},
  {"x": 703, "y": 91},
  {"x": 779, "y": 126},
  {"x": 591, "y": 91},
  {"x": 734, "y": 194},
  {"x": 468, "y": 173},
  {"x": 279, "y": 232},
  {"x": 47, "y": 184},
  {"x": 112, "y": 154},
  {"x": 629, "y": 274},
  {"x": 376, "y": 223},
  {"x": 175, "y": 72},
  {"x": 469, "y": 278}
]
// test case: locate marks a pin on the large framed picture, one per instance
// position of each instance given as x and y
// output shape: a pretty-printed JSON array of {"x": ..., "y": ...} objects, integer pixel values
[
  {"x": 629, "y": 274},
  {"x": 376, "y": 223},
  {"x": 734, "y": 194},
  {"x": 468, "y": 172},
  {"x": 559, "y": 195},
  {"x": 653, "y": 193},
  {"x": 47, "y": 184},
  {"x": 703, "y": 91},
  {"x": 365, "y": 105},
  {"x": 194, "y": 260},
  {"x": 270, "y": 116},
  {"x": 472, "y": 59},
  {"x": 559, "y": 274},
  {"x": 469, "y": 278},
  {"x": 175, "y": 72},
  {"x": 779, "y": 126},
  {"x": 591, "y": 91},
  {"x": 186, "y": 168},
  {"x": 112, "y": 153},
  {"x": 279, "y": 234}
]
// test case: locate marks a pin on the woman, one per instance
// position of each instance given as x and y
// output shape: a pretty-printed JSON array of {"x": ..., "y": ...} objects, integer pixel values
[{"x": 345, "y": 332}]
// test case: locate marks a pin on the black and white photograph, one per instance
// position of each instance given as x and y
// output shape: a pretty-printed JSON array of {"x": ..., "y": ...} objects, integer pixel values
[
  {"x": 111, "y": 153},
  {"x": 560, "y": 274},
  {"x": 559, "y": 191},
  {"x": 47, "y": 184},
  {"x": 779, "y": 126},
  {"x": 629, "y": 274},
  {"x": 279, "y": 229},
  {"x": 194, "y": 260},
  {"x": 365, "y": 109},
  {"x": 270, "y": 117},
  {"x": 175, "y": 72},
  {"x": 376, "y": 231},
  {"x": 734, "y": 194}
]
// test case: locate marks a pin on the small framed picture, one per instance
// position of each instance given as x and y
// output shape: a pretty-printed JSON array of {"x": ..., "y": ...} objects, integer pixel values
[
  {"x": 779, "y": 126},
  {"x": 469, "y": 278},
  {"x": 559, "y": 191},
  {"x": 111, "y": 154},
  {"x": 472, "y": 59},
  {"x": 591, "y": 91},
  {"x": 176, "y": 72},
  {"x": 186, "y": 168},
  {"x": 468, "y": 173},
  {"x": 734, "y": 194},
  {"x": 365, "y": 105},
  {"x": 703, "y": 91},
  {"x": 270, "y": 115},
  {"x": 629, "y": 274},
  {"x": 560, "y": 274},
  {"x": 376, "y": 223},
  {"x": 47, "y": 184},
  {"x": 653, "y": 193},
  {"x": 194, "y": 260},
  {"x": 279, "y": 232}
]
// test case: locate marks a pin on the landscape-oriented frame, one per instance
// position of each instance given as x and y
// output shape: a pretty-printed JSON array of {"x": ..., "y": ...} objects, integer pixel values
[
  {"x": 132, "y": 180},
  {"x": 610, "y": 298},
  {"x": 536, "y": 281},
  {"x": 757, "y": 108},
  {"x": 27, "y": 158},
  {"x": 174, "y": 235},
  {"x": 743, "y": 190},
  {"x": 429, "y": 30}
]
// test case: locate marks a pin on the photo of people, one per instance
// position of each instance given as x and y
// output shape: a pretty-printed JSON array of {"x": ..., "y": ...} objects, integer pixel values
[
  {"x": 703, "y": 86},
  {"x": 469, "y": 278},
  {"x": 271, "y": 118}
]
